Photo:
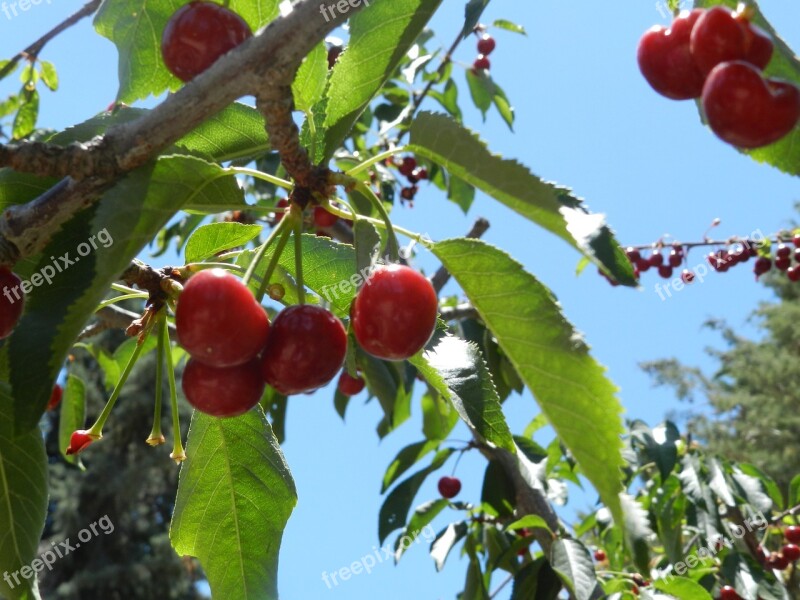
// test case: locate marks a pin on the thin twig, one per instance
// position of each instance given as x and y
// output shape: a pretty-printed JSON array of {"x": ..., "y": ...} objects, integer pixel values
[
  {"x": 442, "y": 276},
  {"x": 32, "y": 51}
]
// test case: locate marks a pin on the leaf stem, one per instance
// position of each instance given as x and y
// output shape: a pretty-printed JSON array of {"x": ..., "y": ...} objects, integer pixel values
[
  {"x": 156, "y": 437},
  {"x": 276, "y": 256},
  {"x": 298, "y": 261},
  {"x": 279, "y": 230},
  {"x": 178, "y": 454},
  {"x": 117, "y": 299},
  {"x": 375, "y": 160},
  {"x": 256, "y": 174}
]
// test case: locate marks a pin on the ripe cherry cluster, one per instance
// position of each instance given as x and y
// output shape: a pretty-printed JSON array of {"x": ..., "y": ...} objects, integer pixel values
[
  {"x": 235, "y": 351},
  {"x": 486, "y": 46},
  {"x": 409, "y": 169},
  {"x": 718, "y": 55}
]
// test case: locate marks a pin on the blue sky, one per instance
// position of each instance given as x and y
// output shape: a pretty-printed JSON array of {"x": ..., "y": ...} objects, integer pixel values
[{"x": 586, "y": 119}]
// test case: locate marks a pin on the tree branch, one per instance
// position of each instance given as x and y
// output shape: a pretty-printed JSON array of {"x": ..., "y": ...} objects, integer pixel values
[
  {"x": 264, "y": 66},
  {"x": 442, "y": 276}
]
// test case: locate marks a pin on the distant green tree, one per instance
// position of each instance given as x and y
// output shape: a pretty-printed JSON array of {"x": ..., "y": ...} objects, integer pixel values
[{"x": 754, "y": 394}]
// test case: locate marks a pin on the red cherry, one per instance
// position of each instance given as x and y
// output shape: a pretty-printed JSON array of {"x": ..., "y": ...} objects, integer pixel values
[
  {"x": 720, "y": 36},
  {"x": 219, "y": 321},
  {"x": 728, "y": 593},
  {"x": 486, "y": 45},
  {"x": 791, "y": 552},
  {"x": 349, "y": 385},
  {"x": 408, "y": 193},
  {"x": 408, "y": 165},
  {"x": 793, "y": 273},
  {"x": 322, "y": 218},
  {"x": 763, "y": 264},
  {"x": 778, "y": 562},
  {"x": 687, "y": 276},
  {"x": 333, "y": 55},
  {"x": 55, "y": 397},
  {"x": 449, "y": 487},
  {"x": 656, "y": 259},
  {"x": 599, "y": 555},
  {"x": 675, "y": 259},
  {"x": 665, "y": 271},
  {"x": 783, "y": 251},
  {"x": 783, "y": 264},
  {"x": 796, "y": 255},
  {"x": 792, "y": 534},
  {"x": 643, "y": 265},
  {"x": 481, "y": 63},
  {"x": 746, "y": 110},
  {"x": 666, "y": 61},
  {"x": 796, "y": 240},
  {"x": 222, "y": 392},
  {"x": 633, "y": 254},
  {"x": 305, "y": 349},
  {"x": 197, "y": 35},
  {"x": 421, "y": 173},
  {"x": 394, "y": 314},
  {"x": 79, "y": 440},
  {"x": 10, "y": 304}
]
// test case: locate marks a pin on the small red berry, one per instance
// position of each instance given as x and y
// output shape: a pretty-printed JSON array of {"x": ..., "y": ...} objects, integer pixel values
[
  {"x": 656, "y": 259},
  {"x": 796, "y": 240},
  {"x": 599, "y": 555},
  {"x": 675, "y": 259},
  {"x": 408, "y": 165},
  {"x": 481, "y": 63},
  {"x": 778, "y": 562},
  {"x": 486, "y": 45},
  {"x": 746, "y": 110},
  {"x": 55, "y": 397},
  {"x": 333, "y": 55},
  {"x": 762, "y": 265},
  {"x": 728, "y": 593},
  {"x": 322, "y": 218},
  {"x": 12, "y": 301},
  {"x": 449, "y": 487},
  {"x": 394, "y": 313},
  {"x": 219, "y": 321},
  {"x": 791, "y": 552},
  {"x": 793, "y": 273},
  {"x": 719, "y": 36},
  {"x": 408, "y": 193},
  {"x": 643, "y": 265},
  {"x": 792, "y": 534},
  {"x": 222, "y": 392},
  {"x": 687, "y": 276},
  {"x": 633, "y": 254},
  {"x": 79, "y": 440},
  {"x": 665, "y": 271},
  {"x": 421, "y": 173},
  {"x": 783, "y": 251},
  {"x": 305, "y": 349},
  {"x": 349, "y": 385},
  {"x": 783, "y": 264},
  {"x": 198, "y": 34},
  {"x": 666, "y": 61}
]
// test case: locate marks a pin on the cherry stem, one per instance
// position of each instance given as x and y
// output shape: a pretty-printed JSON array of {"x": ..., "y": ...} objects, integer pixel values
[
  {"x": 97, "y": 428},
  {"x": 178, "y": 454},
  {"x": 298, "y": 261},
  {"x": 458, "y": 459},
  {"x": 392, "y": 246},
  {"x": 273, "y": 263},
  {"x": 660, "y": 245},
  {"x": 417, "y": 237},
  {"x": 374, "y": 160},
  {"x": 259, "y": 255},
  {"x": 262, "y": 176},
  {"x": 117, "y": 299},
  {"x": 156, "y": 437}
]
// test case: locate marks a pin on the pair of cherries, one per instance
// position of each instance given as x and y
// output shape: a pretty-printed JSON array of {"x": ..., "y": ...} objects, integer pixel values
[{"x": 718, "y": 55}]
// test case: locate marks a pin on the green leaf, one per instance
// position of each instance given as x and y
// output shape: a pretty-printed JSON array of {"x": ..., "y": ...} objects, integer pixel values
[
  {"x": 444, "y": 542},
  {"x": 380, "y": 37},
  {"x": 72, "y": 415},
  {"x": 481, "y": 89},
  {"x": 394, "y": 511},
  {"x": 529, "y": 522},
  {"x": 682, "y": 588},
  {"x": 206, "y": 188},
  {"x": 636, "y": 528},
  {"x": 568, "y": 384},
  {"x": 368, "y": 246},
  {"x": 456, "y": 370},
  {"x": 794, "y": 491},
  {"x": 448, "y": 99},
  {"x": 422, "y": 517},
  {"x": 571, "y": 560},
  {"x": 405, "y": 459},
  {"x": 472, "y": 14},
  {"x": 474, "y": 586},
  {"x": 503, "y": 106},
  {"x": 784, "y": 154},
  {"x": 47, "y": 70},
  {"x": 235, "y": 496},
  {"x": 536, "y": 581},
  {"x": 509, "y": 26},
  {"x": 498, "y": 490},
  {"x": 439, "y": 416},
  {"x": 210, "y": 240},
  {"x": 237, "y": 132},
  {"x": 135, "y": 28},
  {"x": 309, "y": 84},
  {"x": 445, "y": 142},
  {"x": 25, "y": 121},
  {"x": 23, "y": 499}
]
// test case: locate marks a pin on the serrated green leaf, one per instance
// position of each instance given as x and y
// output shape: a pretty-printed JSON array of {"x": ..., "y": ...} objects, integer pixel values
[
  {"x": 235, "y": 133},
  {"x": 636, "y": 528},
  {"x": 682, "y": 588},
  {"x": 445, "y": 142},
  {"x": 536, "y": 581},
  {"x": 235, "y": 496},
  {"x": 405, "y": 459},
  {"x": 206, "y": 188},
  {"x": 529, "y": 522},
  {"x": 380, "y": 36},
  {"x": 309, "y": 84},
  {"x": 568, "y": 384},
  {"x": 456, "y": 370},
  {"x": 571, "y": 560},
  {"x": 47, "y": 70},
  {"x": 422, "y": 517},
  {"x": 444, "y": 542},
  {"x": 509, "y": 26},
  {"x": 481, "y": 90},
  {"x": 23, "y": 500},
  {"x": 209, "y": 240},
  {"x": 394, "y": 511},
  {"x": 72, "y": 415},
  {"x": 135, "y": 28},
  {"x": 25, "y": 121}
]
